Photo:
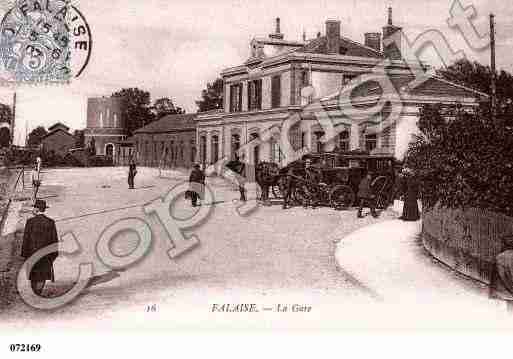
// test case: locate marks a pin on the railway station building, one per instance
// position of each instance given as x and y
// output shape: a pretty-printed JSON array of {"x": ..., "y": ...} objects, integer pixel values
[{"x": 283, "y": 78}]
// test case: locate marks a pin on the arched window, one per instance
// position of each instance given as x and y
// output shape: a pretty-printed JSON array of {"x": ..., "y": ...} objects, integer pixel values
[
  {"x": 109, "y": 150},
  {"x": 215, "y": 148}
]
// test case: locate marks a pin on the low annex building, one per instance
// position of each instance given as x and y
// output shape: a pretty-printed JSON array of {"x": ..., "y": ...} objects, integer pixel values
[
  {"x": 58, "y": 140},
  {"x": 169, "y": 142},
  {"x": 285, "y": 78}
]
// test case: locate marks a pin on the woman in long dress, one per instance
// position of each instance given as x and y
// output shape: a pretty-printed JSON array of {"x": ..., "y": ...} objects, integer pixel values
[{"x": 411, "y": 193}]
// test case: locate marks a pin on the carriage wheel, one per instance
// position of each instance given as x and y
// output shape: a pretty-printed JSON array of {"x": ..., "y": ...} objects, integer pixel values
[
  {"x": 300, "y": 194},
  {"x": 342, "y": 197}
]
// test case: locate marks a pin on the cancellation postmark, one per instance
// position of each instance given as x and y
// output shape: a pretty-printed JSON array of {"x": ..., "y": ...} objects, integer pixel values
[{"x": 43, "y": 41}]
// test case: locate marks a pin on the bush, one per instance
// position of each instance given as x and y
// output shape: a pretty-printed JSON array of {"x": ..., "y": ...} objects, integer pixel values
[{"x": 465, "y": 162}]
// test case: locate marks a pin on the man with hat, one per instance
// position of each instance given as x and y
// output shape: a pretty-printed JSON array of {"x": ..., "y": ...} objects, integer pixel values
[
  {"x": 40, "y": 232},
  {"x": 196, "y": 183},
  {"x": 132, "y": 171}
]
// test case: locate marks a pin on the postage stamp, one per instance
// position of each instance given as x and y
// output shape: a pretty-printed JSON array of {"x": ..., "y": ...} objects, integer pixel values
[{"x": 43, "y": 41}]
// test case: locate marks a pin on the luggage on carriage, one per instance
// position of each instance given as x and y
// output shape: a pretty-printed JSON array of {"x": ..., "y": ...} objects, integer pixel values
[{"x": 339, "y": 174}]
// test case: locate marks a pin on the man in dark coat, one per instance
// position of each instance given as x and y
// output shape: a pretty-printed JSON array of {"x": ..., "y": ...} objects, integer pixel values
[
  {"x": 197, "y": 181},
  {"x": 366, "y": 196},
  {"x": 312, "y": 177},
  {"x": 290, "y": 185},
  {"x": 411, "y": 194},
  {"x": 132, "y": 171},
  {"x": 239, "y": 167},
  {"x": 40, "y": 232}
]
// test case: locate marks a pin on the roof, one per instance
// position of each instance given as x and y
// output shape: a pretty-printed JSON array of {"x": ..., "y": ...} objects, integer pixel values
[
  {"x": 170, "y": 123},
  {"x": 58, "y": 124},
  {"x": 57, "y": 130},
  {"x": 434, "y": 86},
  {"x": 319, "y": 46}
]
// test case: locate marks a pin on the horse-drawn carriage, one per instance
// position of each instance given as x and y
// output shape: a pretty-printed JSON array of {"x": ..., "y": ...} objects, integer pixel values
[{"x": 336, "y": 178}]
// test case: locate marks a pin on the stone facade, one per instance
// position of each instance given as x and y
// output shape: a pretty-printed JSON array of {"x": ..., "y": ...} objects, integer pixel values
[{"x": 311, "y": 77}]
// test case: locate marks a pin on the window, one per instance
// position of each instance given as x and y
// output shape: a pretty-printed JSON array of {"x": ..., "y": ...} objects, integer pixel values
[
  {"x": 203, "y": 149},
  {"x": 236, "y": 98},
  {"x": 370, "y": 142},
  {"x": 181, "y": 150},
  {"x": 193, "y": 151},
  {"x": 276, "y": 154},
  {"x": 235, "y": 144},
  {"x": 319, "y": 146},
  {"x": 116, "y": 123},
  {"x": 276, "y": 91},
  {"x": 343, "y": 141},
  {"x": 303, "y": 140},
  {"x": 101, "y": 119},
  {"x": 305, "y": 80},
  {"x": 215, "y": 148},
  {"x": 255, "y": 95}
]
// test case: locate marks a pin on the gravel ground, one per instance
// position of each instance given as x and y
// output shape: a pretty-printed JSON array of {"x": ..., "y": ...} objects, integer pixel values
[{"x": 274, "y": 256}]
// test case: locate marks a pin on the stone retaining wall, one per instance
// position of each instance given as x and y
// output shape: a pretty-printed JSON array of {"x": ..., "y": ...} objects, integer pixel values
[{"x": 466, "y": 240}]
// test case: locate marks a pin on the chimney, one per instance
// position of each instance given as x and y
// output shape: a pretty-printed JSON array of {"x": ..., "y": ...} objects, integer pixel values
[
  {"x": 277, "y": 34},
  {"x": 333, "y": 36},
  {"x": 373, "y": 40},
  {"x": 392, "y": 51}
]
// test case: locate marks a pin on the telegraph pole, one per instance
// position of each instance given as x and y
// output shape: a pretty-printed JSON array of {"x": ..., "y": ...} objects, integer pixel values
[
  {"x": 492, "y": 61},
  {"x": 13, "y": 120}
]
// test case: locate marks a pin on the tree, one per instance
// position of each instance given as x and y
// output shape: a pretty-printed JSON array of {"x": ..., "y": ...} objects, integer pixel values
[
  {"x": 79, "y": 138},
  {"x": 211, "y": 97},
  {"x": 466, "y": 162},
  {"x": 136, "y": 108},
  {"x": 5, "y": 137},
  {"x": 5, "y": 113},
  {"x": 165, "y": 106},
  {"x": 35, "y": 137},
  {"x": 479, "y": 77}
]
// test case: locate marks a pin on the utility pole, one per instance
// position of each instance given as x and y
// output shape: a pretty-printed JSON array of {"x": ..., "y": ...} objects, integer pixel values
[
  {"x": 492, "y": 61},
  {"x": 13, "y": 120}
]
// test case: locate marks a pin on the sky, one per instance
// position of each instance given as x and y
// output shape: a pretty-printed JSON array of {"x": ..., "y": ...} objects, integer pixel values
[{"x": 173, "y": 48}]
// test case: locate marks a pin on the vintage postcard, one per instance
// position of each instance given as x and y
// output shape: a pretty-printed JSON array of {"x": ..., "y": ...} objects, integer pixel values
[{"x": 237, "y": 165}]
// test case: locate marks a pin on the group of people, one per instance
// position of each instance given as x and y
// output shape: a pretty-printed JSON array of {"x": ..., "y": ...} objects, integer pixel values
[{"x": 406, "y": 188}]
